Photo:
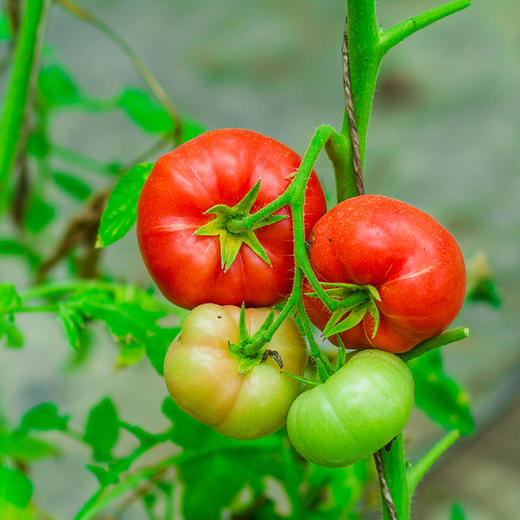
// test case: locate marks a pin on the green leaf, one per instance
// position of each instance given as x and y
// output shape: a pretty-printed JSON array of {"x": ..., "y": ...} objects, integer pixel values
[
  {"x": 439, "y": 396},
  {"x": 157, "y": 346},
  {"x": 43, "y": 417},
  {"x": 191, "y": 129},
  {"x": 27, "y": 449},
  {"x": 39, "y": 215},
  {"x": 145, "y": 112},
  {"x": 38, "y": 144},
  {"x": 102, "y": 430},
  {"x": 13, "y": 335},
  {"x": 57, "y": 87},
  {"x": 15, "y": 487},
  {"x": 485, "y": 290},
  {"x": 72, "y": 323},
  {"x": 72, "y": 185},
  {"x": 104, "y": 477},
  {"x": 9, "y": 246},
  {"x": 120, "y": 214},
  {"x": 9, "y": 299},
  {"x": 5, "y": 30},
  {"x": 130, "y": 354},
  {"x": 187, "y": 432},
  {"x": 457, "y": 513}
]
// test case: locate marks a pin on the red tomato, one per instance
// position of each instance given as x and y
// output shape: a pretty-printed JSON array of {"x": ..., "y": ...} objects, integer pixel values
[
  {"x": 220, "y": 167},
  {"x": 414, "y": 263}
]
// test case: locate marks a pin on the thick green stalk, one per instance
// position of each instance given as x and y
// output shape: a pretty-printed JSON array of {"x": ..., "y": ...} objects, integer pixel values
[
  {"x": 395, "y": 475},
  {"x": 364, "y": 58},
  {"x": 15, "y": 109}
]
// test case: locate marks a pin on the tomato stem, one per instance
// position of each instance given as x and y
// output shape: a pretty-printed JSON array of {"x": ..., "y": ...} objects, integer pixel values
[{"x": 15, "y": 107}]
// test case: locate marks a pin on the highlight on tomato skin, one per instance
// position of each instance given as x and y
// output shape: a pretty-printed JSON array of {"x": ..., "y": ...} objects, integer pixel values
[
  {"x": 215, "y": 168},
  {"x": 203, "y": 378},
  {"x": 357, "y": 411},
  {"x": 412, "y": 261}
]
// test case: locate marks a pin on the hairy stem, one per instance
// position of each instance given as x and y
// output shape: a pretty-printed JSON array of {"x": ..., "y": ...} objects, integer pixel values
[
  {"x": 393, "y": 464},
  {"x": 15, "y": 106}
]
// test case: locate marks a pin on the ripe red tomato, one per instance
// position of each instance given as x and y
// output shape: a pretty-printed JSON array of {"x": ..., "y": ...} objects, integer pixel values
[
  {"x": 220, "y": 167},
  {"x": 414, "y": 263},
  {"x": 203, "y": 377},
  {"x": 358, "y": 410}
]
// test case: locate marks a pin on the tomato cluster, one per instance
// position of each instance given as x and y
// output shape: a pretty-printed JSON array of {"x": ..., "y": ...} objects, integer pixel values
[{"x": 392, "y": 277}]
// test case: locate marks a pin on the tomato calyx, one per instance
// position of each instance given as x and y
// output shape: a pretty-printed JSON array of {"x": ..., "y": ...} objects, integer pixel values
[
  {"x": 250, "y": 349},
  {"x": 229, "y": 226},
  {"x": 354, "y": 302}
]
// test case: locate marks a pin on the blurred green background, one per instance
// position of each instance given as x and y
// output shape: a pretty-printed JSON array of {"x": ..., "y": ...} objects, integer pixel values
[{"x": 444, "y": 136}]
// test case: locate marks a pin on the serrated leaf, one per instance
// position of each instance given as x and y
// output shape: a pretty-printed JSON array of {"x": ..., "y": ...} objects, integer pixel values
[
  {"x": 57, "y": 86},
  {"x": 120, "y": 213},
  {"x": 9, "y": 299},
  {"x": 145, "y": 112},
  {"x": 72, "y": 185},
  {"x": 15, "y": 487},
  {"x": 334, "y": 326},
  {"x": 440, "y": 396},
  {"x": 43, "y": 417},
  {"x": 39, "y": 215},
  {"x": 102, "y": 430}
]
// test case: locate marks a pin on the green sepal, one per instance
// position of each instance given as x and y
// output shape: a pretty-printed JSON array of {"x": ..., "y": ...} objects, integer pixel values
[
  {"x": 374, "y": 312},
  {"x": 335, "y": 326},
  {"x": 323, "y": 370},
  {"x": 232, "y": 234},
  {"x": 303, "y": 380},
  {"x": 342, "y": 354},
  {"x": 243, "y": 333}
]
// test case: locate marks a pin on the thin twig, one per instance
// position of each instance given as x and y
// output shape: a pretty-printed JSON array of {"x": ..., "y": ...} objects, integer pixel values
[
  {"x": 384, "y": 486},
  {"x": 349, "y": 105}
]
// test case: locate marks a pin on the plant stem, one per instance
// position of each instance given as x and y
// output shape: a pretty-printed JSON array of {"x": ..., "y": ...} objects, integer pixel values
[
  {"x": 15, "y": 107},
  {"x": 392, "y": 36},
  {"x": 450, "y": 336},
  {"x": 417, "y": 472},
  {"x": 393, "y": 464}
]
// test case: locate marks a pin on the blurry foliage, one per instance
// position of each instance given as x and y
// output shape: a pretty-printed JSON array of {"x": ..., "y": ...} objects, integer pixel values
[{"x": 215, "y": 473}]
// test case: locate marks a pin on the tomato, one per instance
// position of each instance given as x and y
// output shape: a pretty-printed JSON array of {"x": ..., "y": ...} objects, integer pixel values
[
  {"x": 215, "y": 168},
  {"x": 413, "y": 262},
  {"x": 203, "y": 377},
  {"x": 357, "y": 411}
]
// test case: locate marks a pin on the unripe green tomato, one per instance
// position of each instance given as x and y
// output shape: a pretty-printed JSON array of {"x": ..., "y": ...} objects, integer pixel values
[
  {"x": 356, "y": 412},
  {"x": 203, "y": 377}
]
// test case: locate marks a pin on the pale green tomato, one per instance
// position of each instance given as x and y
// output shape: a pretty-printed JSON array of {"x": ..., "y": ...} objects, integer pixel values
[
  {"x": 356, "y": 412},
  {"x": 203, "y": 379}
]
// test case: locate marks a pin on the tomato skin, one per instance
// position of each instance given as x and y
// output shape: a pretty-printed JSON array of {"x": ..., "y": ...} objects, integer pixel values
[
  {"x": 220, "y": 167},
  {"x": 203, "y": 379},
  {"x": 415, "y": 264},
  {"x": 356, "y": 412}
]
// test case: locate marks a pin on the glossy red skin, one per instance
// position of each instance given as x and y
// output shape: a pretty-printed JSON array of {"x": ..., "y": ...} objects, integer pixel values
[
  {"x": 220, "y": 167},
  {"x": 415, "y": 264}
]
